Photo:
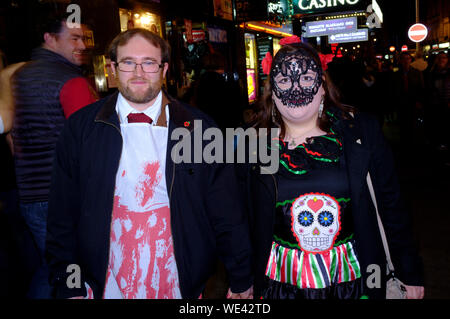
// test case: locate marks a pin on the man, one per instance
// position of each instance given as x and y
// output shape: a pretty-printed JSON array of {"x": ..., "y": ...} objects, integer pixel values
[
  {"x": 419, "y": 63},
  {"x": 135, "y": 223},
  {"x": 47, "y": 90},
  {"x": 408, "y": 93}
]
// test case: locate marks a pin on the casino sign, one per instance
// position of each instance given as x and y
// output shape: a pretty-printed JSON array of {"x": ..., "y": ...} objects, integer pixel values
[{"x": 320, "y": 6}]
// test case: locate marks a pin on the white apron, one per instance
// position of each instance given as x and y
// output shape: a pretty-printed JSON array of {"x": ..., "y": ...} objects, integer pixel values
[{"x": 142, "y": 262}]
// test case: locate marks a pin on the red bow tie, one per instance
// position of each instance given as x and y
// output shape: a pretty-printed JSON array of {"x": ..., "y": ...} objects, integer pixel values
[{"x": 139, "y": 118}]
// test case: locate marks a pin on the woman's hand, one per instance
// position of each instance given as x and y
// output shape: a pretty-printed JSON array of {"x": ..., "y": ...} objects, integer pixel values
[
  {"x": 248, "y": 294},
  {"x": 414, "y": 292}
]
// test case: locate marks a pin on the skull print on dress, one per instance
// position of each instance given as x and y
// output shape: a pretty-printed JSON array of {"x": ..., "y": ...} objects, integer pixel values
[
  {"x": 296, "y": 80},
  {"x": 315, "y": 222}
]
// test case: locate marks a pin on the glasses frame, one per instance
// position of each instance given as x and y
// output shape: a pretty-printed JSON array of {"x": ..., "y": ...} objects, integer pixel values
[{"x": 140, "y": 64}]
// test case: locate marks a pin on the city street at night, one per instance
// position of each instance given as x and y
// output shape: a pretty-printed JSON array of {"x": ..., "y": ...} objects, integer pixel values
[{"x": 106, "y": 194}]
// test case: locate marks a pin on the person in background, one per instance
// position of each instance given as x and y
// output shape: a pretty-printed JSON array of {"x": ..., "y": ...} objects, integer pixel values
[
  {"x": 314, "y": 225},
  {"x": 408, "y": 89},
  {"x": 18, "y": 254},
  {"x": 438, "y": 85},
  {"x": 419, "y": 63},
  {"x": 139, "y": 223},
  {"x": 47, "y": 90},
  {"x": 6, "y": 97}
]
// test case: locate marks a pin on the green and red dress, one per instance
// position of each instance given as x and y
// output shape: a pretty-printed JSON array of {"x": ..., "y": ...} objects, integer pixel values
[{"x": 313, "y": 253}]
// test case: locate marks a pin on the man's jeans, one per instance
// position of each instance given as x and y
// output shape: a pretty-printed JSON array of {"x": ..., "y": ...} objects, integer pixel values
[{"x": 35, "y": 215}]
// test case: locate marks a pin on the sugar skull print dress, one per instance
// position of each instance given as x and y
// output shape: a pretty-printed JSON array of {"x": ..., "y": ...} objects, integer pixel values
[{"x": 313, "y": 254}]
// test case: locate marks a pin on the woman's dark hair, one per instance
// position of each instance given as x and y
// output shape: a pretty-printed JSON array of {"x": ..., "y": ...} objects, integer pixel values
[
  {"x": 153, "y": 38},
  {"x": 265, "y": 106}
]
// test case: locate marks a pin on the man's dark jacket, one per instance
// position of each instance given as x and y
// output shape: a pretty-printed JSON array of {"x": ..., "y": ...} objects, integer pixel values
[
  {"x": 373, "y": 155},
  {"x": 207, "y": 220}
]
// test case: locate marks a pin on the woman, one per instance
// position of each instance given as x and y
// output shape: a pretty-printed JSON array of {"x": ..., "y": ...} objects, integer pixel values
[{"x": 314, "y": 226}]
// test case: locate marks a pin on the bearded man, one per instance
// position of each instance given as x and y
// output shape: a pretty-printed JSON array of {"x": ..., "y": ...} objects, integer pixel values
[{"x": 137, "y": 224}]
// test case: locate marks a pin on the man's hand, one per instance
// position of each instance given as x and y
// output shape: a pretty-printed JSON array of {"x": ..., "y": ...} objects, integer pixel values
[
  {"x": 248, "y": 294},
  {"x": 414, "y": 292}
]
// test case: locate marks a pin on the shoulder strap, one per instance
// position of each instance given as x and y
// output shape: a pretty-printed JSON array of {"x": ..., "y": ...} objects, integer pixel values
[{"x": 380, "y": 224}]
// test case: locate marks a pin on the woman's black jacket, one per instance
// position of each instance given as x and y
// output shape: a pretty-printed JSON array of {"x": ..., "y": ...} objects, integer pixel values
[{"x": 365, "y": 150}]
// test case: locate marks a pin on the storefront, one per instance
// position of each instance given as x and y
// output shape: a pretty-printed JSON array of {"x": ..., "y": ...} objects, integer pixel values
[
  {"x": 436, "y": 48},
  {"x": 257, "y": 44},
  {"x": 140, "y": 18},
  {"x": 262, "y": 37},
  {"x": 131, "y": 15}
]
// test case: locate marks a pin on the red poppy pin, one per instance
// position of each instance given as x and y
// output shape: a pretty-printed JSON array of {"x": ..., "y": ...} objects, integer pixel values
[{"x": 187, "y": 124}]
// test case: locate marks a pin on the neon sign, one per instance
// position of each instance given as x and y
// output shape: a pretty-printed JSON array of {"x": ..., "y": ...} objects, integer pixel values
[{"x": 308, "y": 6}]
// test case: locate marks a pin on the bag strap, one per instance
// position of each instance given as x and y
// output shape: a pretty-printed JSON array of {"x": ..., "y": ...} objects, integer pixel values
[{"x": 380, "y": 224}]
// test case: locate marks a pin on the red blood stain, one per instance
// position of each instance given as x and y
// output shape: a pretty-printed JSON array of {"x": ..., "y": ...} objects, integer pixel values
[
  {"x": 151, "y": 179},
  {"x": 139, "y": 230}
]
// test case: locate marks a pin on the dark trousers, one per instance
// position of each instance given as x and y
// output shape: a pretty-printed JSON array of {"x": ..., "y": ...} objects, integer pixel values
[{"x": 35, "y": 215}]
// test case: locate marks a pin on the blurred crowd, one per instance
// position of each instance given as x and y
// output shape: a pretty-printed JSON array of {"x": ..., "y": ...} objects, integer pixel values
[{"x": 409, "y": 96}]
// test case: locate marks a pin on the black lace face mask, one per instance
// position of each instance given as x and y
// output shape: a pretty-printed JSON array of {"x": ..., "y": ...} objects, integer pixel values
[{"x": 296, "y": 80}]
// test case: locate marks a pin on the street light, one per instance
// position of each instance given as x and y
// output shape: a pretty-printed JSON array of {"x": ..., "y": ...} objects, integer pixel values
[{"x": 417, "y": 21}]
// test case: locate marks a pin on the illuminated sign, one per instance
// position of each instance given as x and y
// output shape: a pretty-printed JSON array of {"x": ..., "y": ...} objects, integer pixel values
[
  {"x": 251, "y": 85},
  {"x": 327, "y": 27},
  {"x": 310, "y": 6},
  {"x": 217, "y": 35},
  {"x": 356, "y": 36},
  {"x": 278, "y": 7},
  {"x": 284, "y": 31},
  {"x": 417, "y": 32},
  {"x": 250, "y": 10}
]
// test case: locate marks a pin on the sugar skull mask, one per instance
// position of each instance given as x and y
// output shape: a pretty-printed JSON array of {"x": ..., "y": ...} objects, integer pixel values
[
  {"x": 315, "y": 222},
  {"x": 296, "y": 79}
]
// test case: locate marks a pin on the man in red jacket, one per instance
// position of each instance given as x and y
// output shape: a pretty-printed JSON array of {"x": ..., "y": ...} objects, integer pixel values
[{"x": 47, "y": 90}]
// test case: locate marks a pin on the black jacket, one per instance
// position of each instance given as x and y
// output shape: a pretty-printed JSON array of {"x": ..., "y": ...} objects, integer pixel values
[
  {"x": 206, "y": 219},
  {"x": 374, "y": 155}
]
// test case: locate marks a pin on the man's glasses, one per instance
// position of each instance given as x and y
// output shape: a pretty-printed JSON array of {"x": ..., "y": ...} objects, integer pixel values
[{"x": 147, "y": 66}]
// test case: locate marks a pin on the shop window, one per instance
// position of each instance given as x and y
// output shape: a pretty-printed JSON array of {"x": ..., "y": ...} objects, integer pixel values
[{"x": 140, "y": 19}]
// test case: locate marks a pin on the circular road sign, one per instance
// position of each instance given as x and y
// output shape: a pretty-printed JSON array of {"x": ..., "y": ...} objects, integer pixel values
[{"x": 417, "y": 32}]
